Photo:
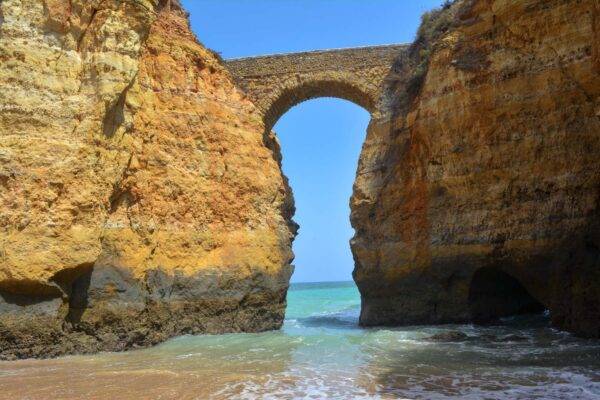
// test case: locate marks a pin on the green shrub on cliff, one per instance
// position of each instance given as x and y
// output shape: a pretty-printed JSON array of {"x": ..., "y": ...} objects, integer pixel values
[{"x": 434, "y": 25}]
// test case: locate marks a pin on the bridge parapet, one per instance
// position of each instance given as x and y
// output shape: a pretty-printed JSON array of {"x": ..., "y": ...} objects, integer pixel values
[{"x": 275, "y": 83}]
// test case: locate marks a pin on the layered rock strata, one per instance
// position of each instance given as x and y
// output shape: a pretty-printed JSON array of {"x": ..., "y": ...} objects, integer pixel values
[
  {"x": 478, "y": 194},
  {"x": 140, "y": 197}
]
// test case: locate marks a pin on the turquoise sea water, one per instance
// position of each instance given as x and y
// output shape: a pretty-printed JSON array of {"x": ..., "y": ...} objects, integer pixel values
[{"x": 322, "y": 353}]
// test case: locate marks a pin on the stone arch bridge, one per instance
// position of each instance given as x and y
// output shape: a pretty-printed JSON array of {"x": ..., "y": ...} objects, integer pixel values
[{"x": 276, "y": 83}]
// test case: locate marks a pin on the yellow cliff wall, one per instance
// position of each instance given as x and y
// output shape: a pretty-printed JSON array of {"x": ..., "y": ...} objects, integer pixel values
[{"x": 140, "y": 195}]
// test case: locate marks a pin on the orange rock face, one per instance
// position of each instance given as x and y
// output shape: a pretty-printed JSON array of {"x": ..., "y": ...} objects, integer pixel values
[
  {"x": 140, "y": 195},
  {"x": 486, "y": 189}
]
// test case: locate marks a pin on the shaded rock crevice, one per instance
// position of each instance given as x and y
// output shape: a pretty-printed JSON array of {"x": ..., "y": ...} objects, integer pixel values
[{"x": 494, "y": 294}]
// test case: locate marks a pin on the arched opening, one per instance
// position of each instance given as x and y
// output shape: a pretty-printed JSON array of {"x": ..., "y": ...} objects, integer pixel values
[
  {"x": 321, "y": 142},
  {"x": 494, "y": 294},
  {"x": 297, "y": 93}
]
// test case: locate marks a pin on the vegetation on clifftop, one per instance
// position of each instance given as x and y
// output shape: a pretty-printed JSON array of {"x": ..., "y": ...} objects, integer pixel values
[{"x": 434, "y": 25}]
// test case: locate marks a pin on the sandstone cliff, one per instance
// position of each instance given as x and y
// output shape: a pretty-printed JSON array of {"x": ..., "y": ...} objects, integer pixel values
[
  {"x": 478, "y": 193},
  {"x": 139, "y": 196}
]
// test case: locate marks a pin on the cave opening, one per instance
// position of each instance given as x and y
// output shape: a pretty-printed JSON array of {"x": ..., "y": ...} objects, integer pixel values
[{"x": 494, "y": 294}]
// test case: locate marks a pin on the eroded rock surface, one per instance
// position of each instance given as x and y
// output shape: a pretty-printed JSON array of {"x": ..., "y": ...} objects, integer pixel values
[
  {"x": 493, "y": 163},
  {"x": 139, "y": 196}
]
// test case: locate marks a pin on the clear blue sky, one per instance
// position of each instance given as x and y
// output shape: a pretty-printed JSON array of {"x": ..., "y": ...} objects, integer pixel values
[{"x": 321, "y": 139}]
